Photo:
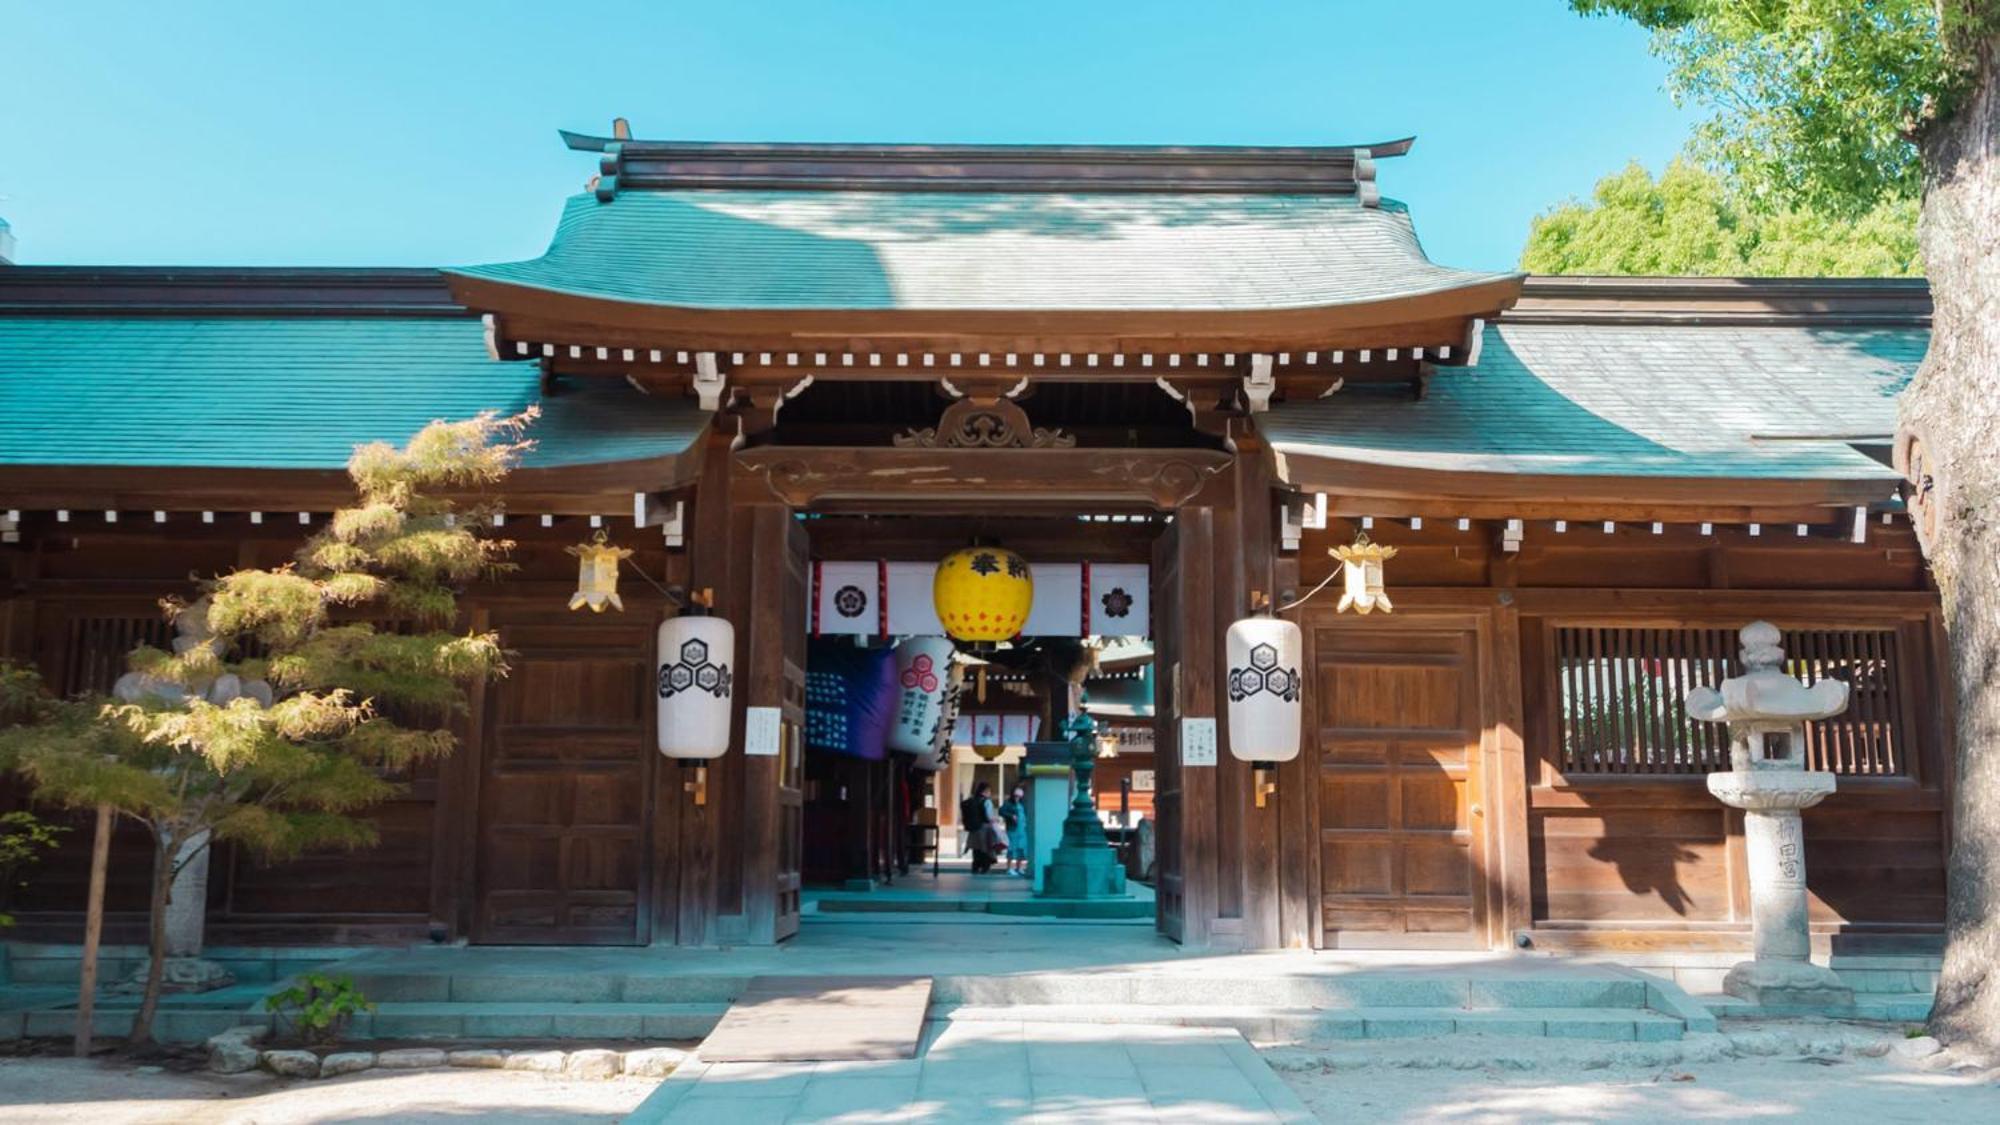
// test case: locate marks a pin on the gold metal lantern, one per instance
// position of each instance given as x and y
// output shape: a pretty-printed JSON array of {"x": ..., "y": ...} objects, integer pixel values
[
  {"x": 1362, "y": 563},
  {"x": 597, "y": 574}
]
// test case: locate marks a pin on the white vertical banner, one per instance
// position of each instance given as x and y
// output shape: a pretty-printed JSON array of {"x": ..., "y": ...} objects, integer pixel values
[
  {"x": 1121, "y": 602},
  {"x": 848, "y": 599},
  {"x": 912, "y": 613},
  {"x": 1058, "y": 606}
]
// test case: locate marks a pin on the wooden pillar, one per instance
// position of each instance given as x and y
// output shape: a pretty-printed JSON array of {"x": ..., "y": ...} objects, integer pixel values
[
  {"x": 766, "y": 631},
  {"x": 1255, "y": 840},
  {"x": 690, "y": 835},
  {"x": 1506, "y": 787},
  {"x": 1298, "y": 799},
  {"x": 455, "y": 816},
  {"x": 1198, "y": 699}
]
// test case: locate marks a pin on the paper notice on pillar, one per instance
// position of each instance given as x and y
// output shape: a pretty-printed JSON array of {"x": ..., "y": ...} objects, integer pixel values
[
  {"x": 912, "y": 613},
  {"x": 848, "y": 593},
  {"x": 1058, "y": 607},
  {"x": 1121, "y": 603}
]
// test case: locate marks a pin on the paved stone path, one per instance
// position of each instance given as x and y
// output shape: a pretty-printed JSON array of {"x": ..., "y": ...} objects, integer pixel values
[{"x": 997, "y": 1072}]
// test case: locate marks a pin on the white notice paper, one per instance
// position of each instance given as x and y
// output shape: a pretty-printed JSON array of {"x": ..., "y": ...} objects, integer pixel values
[
  {"x": 1198, "y": 742},
  {"x": 763, "y": 726}
]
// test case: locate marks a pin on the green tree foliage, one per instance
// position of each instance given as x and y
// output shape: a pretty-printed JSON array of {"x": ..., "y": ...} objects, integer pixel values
[
  {"x": 292, "y": 694},
  {"x": 1689, "y": 223},
  {"x": 1814, "y": 103}
]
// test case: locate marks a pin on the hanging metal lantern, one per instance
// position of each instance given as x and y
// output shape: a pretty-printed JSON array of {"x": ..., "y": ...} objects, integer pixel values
[
  {"x": 923, "y": 674},
  {"x": 983, "y": 594},
  {"x": 1264, "y": 655},
  {"x": 597, "y": 574},
  {"x": 695, "y": 684},
  {"x": 1363, "y": 565}
]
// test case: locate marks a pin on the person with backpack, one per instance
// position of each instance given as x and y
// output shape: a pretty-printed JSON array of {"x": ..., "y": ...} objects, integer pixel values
[{"x": 982, "y": 829}]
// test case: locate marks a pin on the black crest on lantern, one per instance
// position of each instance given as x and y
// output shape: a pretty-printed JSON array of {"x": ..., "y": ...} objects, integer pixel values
[
  {"x": 1263, "y": 676},
  {"x": 694, "y": 670}
]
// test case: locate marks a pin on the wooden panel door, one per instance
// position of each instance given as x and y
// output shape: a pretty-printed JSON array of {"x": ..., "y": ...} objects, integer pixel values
[
  {"x": 1397, "y": 718},
  {"x": 568, "y": 764}
]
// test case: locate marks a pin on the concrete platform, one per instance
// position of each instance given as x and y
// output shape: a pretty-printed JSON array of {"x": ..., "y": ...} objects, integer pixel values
[{"x": 998, "y": 1072}]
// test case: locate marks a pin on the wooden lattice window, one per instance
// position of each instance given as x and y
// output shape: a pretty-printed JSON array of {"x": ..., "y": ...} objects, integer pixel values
[
  {"x": 1621, "y": 692},
  {"x": 99, "y": 646}
]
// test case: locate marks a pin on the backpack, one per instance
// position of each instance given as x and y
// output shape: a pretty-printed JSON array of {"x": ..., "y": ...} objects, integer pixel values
[{"x": 972, "y": 813}]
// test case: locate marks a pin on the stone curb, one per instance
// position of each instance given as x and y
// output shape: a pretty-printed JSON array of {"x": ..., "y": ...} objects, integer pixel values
[
  {"x": 235, "y": 1052},
  {"x": 1458, "y": 1053}
]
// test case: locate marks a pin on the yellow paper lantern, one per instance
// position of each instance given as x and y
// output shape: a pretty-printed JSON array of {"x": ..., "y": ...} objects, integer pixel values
[
  {"x": 983, "y": 593},
  {"x": 597, "y": 574}
]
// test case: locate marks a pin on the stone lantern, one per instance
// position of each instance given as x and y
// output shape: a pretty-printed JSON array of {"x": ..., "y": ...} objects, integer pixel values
[{"x": 1767, "y": 711}]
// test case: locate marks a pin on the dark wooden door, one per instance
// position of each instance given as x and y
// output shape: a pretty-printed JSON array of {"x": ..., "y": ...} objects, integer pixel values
[
  {"x": 567, "y": 766},
  {"x": 1397, "y": 719}
]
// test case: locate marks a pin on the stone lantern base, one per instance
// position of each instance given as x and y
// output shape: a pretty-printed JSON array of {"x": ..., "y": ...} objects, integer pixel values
[{"x": 1788, "y": 984}]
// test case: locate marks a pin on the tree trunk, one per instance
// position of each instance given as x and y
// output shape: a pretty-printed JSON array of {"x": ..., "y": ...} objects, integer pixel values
[
  {"x": 1951, "y": 415},
  {"x": 93, "y": 931},
  {"x": 156, "y": 961}
]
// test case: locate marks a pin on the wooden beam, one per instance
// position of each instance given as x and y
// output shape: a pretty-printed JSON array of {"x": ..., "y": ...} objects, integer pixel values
[{"x": 804, "y": 476}]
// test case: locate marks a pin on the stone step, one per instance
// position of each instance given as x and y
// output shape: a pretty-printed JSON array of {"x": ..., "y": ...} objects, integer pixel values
[
  {"x": 170, "y": 1025},
  {"x": 1330, "y": 990},
  {"x": 1311, "y": 1025},
  {"x": 537, "y": 1020},
  {"x": 1888, "y": 1007},
  {"x": 889, "y": 903}
]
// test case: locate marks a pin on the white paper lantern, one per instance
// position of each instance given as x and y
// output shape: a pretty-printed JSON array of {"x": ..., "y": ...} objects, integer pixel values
[
  {"x": 1264, "y": 655},
  {"x": 694, "y": 686},
  {"x": 923, "y": 671}
]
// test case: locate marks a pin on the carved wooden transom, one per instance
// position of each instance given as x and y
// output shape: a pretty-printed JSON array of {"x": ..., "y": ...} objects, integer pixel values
[{"x": 985, "y": 423}]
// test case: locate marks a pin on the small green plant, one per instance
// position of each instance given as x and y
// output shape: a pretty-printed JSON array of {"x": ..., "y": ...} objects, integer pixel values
[
  {"x": 23, "y": 839},
  {"x": 319, "y": 1006},
  {"x": 1914, "y": 1031}
]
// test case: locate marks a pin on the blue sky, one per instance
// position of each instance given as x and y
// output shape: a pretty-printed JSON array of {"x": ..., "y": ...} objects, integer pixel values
[{"x": 423, "y": 133}]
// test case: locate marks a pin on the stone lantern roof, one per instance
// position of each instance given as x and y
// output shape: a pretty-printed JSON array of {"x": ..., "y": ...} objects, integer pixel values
[{"x": 1764, "y": 693}]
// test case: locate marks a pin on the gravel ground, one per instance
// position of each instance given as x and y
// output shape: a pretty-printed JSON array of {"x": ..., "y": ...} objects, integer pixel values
[
  {"x": 1817, "y": 1072},
  {"x": 63, "y": 1091}
]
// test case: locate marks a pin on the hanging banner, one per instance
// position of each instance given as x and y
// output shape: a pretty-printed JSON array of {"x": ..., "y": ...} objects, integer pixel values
[
  {"x": 893, "y": 599},
  {"x": 912, "y": 611},
  {"x": 1120, "y": 596},
  {"x": 847, "y": 599},
  {"x": 1058, "y": 608}
]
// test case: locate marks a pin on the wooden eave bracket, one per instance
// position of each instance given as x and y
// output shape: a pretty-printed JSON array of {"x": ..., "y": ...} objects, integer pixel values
[
  {"x": 709, "y": 381},
  {"x": 1259, "y": 385},
  {"x": 657, "y": 509}
]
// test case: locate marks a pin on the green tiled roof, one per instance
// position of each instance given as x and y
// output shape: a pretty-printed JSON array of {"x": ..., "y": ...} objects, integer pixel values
[
  {"x": 1629, "y": 400},
  {"x": 731, "y": 249},
  {"x": 288, "y": 393}
]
